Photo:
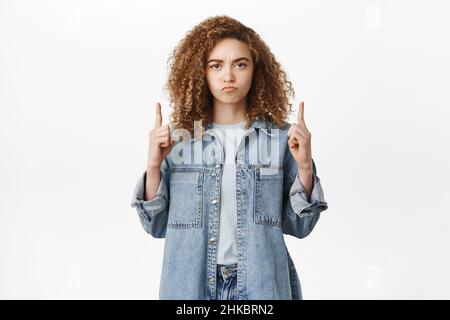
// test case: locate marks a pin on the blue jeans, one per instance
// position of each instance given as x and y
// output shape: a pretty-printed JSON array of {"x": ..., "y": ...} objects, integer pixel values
[{"x": 226, "y": 281}]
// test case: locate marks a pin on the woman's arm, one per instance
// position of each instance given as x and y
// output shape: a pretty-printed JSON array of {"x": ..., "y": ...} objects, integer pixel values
[
  {"x": 153, "y": 179},
  {"x": 300, "y": 211},
  {"x": 153, "y": 213},
  {"x": 306, "y": 178}
]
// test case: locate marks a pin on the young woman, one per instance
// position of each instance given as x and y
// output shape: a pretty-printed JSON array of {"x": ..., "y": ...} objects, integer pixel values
[{"x": 229, "y": 177}]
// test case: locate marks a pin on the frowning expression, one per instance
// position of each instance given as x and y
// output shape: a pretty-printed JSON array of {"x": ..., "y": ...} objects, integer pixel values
[{"x": 229, "y": 70}]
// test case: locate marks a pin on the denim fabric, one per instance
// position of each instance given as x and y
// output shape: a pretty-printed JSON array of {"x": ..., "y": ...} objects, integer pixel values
[
  {"x": 271, "y": 202},
  {"x": 226, "y": 281}
]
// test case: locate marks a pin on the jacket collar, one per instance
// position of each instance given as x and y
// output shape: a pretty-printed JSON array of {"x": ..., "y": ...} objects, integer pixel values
[{"x": 257, "y": 123}]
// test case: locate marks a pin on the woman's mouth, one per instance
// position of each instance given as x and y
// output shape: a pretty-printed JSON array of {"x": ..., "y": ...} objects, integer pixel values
[{"x": 229, "y": 89}]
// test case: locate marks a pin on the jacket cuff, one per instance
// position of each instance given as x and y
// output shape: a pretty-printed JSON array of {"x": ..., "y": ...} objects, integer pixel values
[
  {"x": 148, "y": 208},
  {"x": 299, "y": 198}
]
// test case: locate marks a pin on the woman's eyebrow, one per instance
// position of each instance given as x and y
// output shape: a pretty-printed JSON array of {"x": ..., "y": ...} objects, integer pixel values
[{"x": 218, "y": 60}]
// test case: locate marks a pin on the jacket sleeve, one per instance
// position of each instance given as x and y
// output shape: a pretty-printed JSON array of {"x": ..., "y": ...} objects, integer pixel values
[
  {"x": 300, "y": 215},
  {"x": 153, "y": 214}
]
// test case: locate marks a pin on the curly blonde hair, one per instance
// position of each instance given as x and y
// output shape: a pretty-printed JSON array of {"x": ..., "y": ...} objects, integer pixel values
[{"x": 190, "y": 96}]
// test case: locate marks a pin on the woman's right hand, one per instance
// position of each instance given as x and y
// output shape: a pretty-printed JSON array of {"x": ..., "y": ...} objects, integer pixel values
[{"x": 160, "y": 142}]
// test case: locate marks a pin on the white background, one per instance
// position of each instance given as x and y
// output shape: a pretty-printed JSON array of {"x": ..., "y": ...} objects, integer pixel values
[{"x": 79, "y": 81}]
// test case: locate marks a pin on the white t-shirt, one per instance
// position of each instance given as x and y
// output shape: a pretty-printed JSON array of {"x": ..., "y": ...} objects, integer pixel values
[{"x": 230, "y": 139}]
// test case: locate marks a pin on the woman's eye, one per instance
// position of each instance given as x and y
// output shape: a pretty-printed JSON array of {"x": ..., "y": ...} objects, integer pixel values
[{"x": 241, "y": 65}]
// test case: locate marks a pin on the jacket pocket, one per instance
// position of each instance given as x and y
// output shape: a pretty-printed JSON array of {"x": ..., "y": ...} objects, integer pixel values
[
  {"x": 268, "y": 196},
  {"x": 185, "y": 206}
]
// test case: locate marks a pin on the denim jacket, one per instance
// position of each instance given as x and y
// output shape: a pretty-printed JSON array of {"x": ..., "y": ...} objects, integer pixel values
[{"x": 270, "y": 201}]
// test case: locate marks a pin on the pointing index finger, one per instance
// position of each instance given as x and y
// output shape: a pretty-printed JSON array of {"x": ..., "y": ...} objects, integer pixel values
[
  {"x": 300, "y": 115},
  {"x": 158, "y": 120}
]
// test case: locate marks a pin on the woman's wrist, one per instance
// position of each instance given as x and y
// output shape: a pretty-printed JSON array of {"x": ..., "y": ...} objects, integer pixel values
[
  {"x": 152, "y": 168},
  {"x": 305, "y": 166}
]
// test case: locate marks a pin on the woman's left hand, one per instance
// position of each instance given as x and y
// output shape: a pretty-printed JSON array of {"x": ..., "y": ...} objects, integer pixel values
[{"x": 300, "y": 140}]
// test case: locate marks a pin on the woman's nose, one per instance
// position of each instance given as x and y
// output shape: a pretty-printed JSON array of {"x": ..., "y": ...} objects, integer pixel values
[{"x": 229, "y": 74}]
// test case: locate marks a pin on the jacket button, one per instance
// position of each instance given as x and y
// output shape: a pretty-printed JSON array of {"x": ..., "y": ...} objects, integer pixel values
[
  {"x": 217, "y": 165},
  {"x": 212, "y": 240},
  {"x": 214, "y": 201},
  {"x": 211, "y": 278}
]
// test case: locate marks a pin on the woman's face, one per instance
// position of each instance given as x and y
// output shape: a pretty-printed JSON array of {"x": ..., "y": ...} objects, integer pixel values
[{"x": 229, "y": 64}]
